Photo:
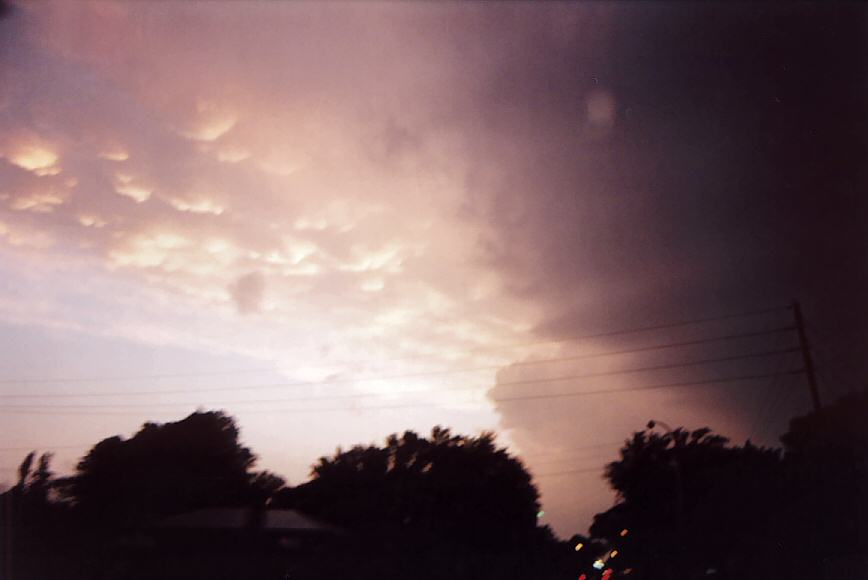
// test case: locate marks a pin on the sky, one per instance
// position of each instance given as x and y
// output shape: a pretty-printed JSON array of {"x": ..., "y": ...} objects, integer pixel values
[{"x": 337, "y": 221}]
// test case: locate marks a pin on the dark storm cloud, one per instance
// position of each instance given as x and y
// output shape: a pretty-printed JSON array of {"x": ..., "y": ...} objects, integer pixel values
[
  {"x": 732, "y": 174},
  {"x": 731, "y": 177},
  {"x": 737, "y": 147}
]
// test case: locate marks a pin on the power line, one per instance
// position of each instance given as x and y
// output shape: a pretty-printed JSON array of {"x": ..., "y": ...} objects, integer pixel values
[
  {"x": 30, "y": 381},
  {"x": 512, "y": 452},
  {"x": 829, "y": 373},
  {"x": 782, "y": 390},
  {"x": 9, "y": 410},
  {"x": 567, "y": 450},
  {"x": 643, "y": 388},
  {"x": 42, "y": 447},
  {"x": 330, "y": 382},
  {"x": 634, "y": 330},
  {"x": 598, "y": 454},
  {"x": 534, "y": 381},
  {"x": 781, "y": 401},
  {"x": 571, "y": 472},
  {"x": 766, "y": 398},
  {"x": 823, "y": 347},
  {"x": 83, "y": 445},
  {"x": 664, "y": 326}
]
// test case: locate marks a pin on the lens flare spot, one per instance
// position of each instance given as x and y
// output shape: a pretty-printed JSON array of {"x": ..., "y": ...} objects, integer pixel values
[{"x": 600, "y": 109}]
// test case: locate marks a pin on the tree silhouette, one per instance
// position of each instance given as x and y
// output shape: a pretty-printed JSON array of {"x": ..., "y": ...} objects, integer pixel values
[
  {"x": 695, "y": 506},
  {"x": 445, "y": 506},
  {"x": 24, "y": 469},
  {"x": 691, "y": 504},
  {"x": 167, "y": 468},
  {"x": 826, "y": 455},
  {"x": 35, "y": 485},
  {"x": 32, "y": 523},
  {"x": 446, "y": 486}
]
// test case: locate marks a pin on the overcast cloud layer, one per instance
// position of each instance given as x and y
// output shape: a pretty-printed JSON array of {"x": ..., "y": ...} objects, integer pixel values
[{"x": 335, "y": 191}]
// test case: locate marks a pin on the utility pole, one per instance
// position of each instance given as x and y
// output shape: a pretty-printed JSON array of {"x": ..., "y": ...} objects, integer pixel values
[{"x": 806, "y": 355}]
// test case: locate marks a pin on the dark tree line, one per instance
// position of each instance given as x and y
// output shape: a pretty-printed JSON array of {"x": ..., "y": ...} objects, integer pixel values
[
  {"x": 690, "y": 505},
  {"x": 422, "y": 507},
  {"x": 695, "y": 506}
]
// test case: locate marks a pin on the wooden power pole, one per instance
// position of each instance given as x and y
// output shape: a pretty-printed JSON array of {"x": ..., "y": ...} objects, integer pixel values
[{"x": 806, "y": 355}]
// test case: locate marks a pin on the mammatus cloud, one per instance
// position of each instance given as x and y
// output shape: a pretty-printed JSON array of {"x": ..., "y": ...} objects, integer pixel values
[
  {"x": 170, "y": 188},
  {"x": 192, "y": 188}
]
